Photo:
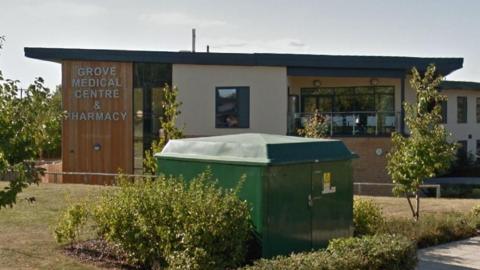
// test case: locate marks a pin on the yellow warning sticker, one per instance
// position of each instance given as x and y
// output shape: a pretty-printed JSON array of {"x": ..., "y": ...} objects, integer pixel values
[
  {"x": 327, "y": 183},
  {"x": 327, "y": 180}
]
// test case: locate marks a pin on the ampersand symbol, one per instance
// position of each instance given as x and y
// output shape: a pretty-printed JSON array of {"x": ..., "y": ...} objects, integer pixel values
[{"x": 96, "y": 105}]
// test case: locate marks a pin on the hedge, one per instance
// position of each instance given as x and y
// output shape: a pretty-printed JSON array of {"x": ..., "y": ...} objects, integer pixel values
[
  {"x": 434, "y": 229},
  {"x": 431, "y": 229},
  {"x": 369, "y": 252},
  {"x": 168, "y": 223}
]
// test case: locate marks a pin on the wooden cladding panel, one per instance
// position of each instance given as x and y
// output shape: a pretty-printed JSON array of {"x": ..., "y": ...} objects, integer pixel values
[{"x": 80, "y": 136}]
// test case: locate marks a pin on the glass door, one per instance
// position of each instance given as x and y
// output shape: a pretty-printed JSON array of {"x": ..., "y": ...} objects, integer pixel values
[
  {"x": 149, "y": 80},
  {"x": 291, "y": 113}
]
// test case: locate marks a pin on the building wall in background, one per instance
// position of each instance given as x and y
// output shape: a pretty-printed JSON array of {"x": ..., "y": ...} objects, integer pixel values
[
  {"x": 469, "y": 131},
  {"x": 197, "y": 85}
]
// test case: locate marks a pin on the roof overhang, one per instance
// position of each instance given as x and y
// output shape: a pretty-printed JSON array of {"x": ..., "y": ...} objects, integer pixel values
[
  {"x": 297, "y": 64},
  {"x": 345, "y": 72},
  {"x": 460, "y": 85}
]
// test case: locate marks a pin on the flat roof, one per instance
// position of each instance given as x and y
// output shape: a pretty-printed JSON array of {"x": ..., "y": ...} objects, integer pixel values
[
  {"x": 297, "y": 64},
  {"x": 459, "y": 85}
]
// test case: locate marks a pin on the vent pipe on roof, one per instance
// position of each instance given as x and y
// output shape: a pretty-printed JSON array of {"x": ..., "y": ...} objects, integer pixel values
[{"x": 193, "y": 39}]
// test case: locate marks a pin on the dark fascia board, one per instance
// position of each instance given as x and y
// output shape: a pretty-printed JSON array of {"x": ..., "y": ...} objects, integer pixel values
[
  {"x": 459, "y": 85},
  {"x": 444, "y": 65},
  {"x": 60, "y": 54},
  {"x": 344, "y": 72}
]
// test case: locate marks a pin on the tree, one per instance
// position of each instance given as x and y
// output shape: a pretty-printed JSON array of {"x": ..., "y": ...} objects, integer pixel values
[
  {"x": 316, "y": 127},
  {"x": 169, "y": 129},
  {"x": 52, "y": 140},
  {"x": 25, "y": 115},
  {"x": 426, "y": 152}
]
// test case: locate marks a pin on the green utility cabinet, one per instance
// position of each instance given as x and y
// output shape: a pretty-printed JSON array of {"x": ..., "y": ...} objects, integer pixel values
[{"x": 300, "y": 189}]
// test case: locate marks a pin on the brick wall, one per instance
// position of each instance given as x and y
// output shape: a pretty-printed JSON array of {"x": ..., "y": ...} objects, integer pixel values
[
  {"x": 370, "y": 167},
  {"x": 55, "y": 166}
]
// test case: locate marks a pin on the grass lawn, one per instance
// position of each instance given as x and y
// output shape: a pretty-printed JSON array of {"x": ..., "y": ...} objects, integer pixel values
[
  {"x": 26, "y": 239},
  {"x": 398, "y": 207}
]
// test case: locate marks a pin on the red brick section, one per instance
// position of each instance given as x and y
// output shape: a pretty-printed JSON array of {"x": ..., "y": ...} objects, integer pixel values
[
  {"x": 55, "y": 166},
  {"x": 370, "y": 167}
]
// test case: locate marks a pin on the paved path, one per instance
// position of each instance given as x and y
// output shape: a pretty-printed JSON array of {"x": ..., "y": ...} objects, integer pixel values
[{"x": 460, "y": 255}]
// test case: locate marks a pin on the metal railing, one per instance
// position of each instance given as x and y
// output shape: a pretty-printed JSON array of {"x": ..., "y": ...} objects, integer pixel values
[
  {"x": 360, "y": 184},
  {"x": 353, "y": 123}
]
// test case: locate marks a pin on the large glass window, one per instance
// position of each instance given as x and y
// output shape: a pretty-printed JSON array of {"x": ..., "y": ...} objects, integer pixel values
[
  {"x": 462, "y": 109},
  {"x": 232, "y": 108},
  {"x": 309, "y": 104},
  {"x": 148, "y": 82},
  {"x": 362, "y": 110},
  {"x": 349, "y": 99}
]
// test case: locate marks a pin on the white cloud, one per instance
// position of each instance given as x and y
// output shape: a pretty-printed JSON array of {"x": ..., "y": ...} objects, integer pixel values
[
  {"x": 69, "y": 9},
  {"x": 258, "y": 45},
  {"x": 181, "y": 19}
]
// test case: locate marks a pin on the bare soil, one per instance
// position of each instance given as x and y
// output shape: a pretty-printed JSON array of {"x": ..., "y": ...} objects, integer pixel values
[{"x": 99, "y": 253}]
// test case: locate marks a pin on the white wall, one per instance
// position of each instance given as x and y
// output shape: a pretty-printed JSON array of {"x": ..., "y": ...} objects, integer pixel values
[
  {"x": 197, "y": 84},
  {"x": 462, "y": 131}
]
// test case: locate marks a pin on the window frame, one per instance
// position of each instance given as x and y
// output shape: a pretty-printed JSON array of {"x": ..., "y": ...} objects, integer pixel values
[{"x": 240, "y": 91}]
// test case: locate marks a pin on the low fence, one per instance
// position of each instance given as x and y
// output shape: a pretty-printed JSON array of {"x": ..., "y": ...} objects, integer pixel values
[
  {"x": 86, "y": 176},
  {"x": 359, "y": 185},
  {"x": 87, "y": 180}
]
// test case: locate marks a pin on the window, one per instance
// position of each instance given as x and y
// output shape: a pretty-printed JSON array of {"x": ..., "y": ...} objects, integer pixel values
[
  {"x": 462, "y": 109},
  {"x": 444, "y": 111},
  {"x": 462, "y": 151},
  {"x": 478, "y": 109},
  {"x": 478, "y": 149},
  {"x": 232, "y": 108},
  {"x": 359, "y": 110},
  {"x": 349, "y": 99}
]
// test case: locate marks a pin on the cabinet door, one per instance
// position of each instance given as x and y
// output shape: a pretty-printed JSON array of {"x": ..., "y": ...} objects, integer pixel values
[
  {"x": 330, "y": 202},
  {"x": 288, "y": 213}
]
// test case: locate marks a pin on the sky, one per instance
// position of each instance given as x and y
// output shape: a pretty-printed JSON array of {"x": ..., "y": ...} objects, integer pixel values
[{"x": 426, "y": 28}]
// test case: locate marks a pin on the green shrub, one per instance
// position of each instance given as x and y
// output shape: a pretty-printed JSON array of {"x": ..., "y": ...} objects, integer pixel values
[
  {"x": 432, "y": 229},
  {"x": 71, "y": 222},
  {"x": 368, "y": 252},
  {"x": 475, "y": 211},
  {"x": 168, "y": 222},
  {"x": 475, "y": 216},
  {"x": 375, "y": 252},
  {"x": 367, "y": 217}
]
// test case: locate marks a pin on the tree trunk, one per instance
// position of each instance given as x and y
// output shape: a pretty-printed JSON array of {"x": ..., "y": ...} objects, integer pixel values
[
  {"x": 410, "y": 204},
  {"x": 415, "y": 211},
  {"x": 417, "y": 198}
]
